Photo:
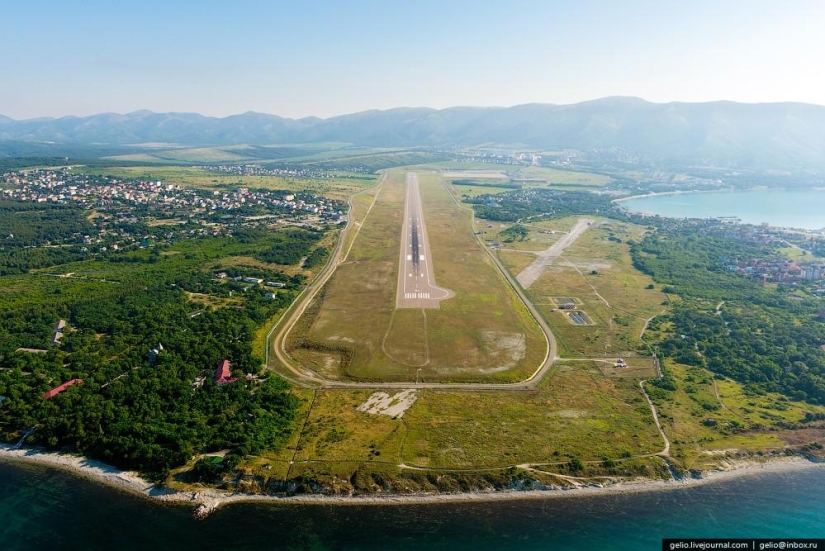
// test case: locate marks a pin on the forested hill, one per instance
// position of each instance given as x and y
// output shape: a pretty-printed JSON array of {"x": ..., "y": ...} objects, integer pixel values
[{"x": 775, "y": 134}]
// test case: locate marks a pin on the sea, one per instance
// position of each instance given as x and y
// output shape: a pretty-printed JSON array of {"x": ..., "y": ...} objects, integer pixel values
[
  {"x": 45, "y": 508},
  {"x": 803, "y": 209}
]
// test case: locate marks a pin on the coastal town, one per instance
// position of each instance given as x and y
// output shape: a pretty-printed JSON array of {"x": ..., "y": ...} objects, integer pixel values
[
  {"x": 802, "y": 267},
  {"x": 142, "y": 212},
  {"x": 802, "y": 263}
]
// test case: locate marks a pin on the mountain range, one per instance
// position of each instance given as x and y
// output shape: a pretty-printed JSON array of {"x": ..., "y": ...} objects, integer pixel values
[{"x": 767, "y": 134}]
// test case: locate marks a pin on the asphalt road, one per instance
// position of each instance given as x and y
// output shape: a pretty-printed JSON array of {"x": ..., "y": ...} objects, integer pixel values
[
  {"x": 416, "y": 278},
  {"x": 531, "y": 273}
]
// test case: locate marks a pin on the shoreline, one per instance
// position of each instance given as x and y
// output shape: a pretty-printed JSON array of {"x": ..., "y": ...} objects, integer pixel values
[
  {"x": 618, "y": 202},
  {"x": 678, "y": 192},
  {"x": 729, "y": 189},
  {"x": 207, "y": 501}
]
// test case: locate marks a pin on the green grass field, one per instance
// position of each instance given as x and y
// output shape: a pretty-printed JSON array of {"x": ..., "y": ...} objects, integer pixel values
[
  {"x": 706, "y": 424},
  {"x": 587, "y": 409},
  {"x": 580, "y": 412},
  {"x": 361, "y": 205},
  {"x": 557, "y": 176},
  {"x": 484, "y": 178},
  {"x": 475, "y": 191}
]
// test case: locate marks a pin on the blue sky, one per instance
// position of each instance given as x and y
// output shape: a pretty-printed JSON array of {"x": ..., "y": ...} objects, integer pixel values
[{"x": 326, "y": 58}]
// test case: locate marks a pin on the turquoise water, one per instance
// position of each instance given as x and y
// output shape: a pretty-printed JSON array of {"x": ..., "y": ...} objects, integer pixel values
[
  {"x": 42, "y": 508},
  {"x": 789, "y": 209}
]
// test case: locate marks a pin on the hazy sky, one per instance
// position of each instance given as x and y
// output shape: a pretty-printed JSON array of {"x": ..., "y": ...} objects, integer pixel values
[{"x": 325, "y": 58}]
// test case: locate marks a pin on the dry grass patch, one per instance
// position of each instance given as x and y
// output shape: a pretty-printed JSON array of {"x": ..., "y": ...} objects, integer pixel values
[
  {"x": 361, "y": 206},
  {"x": 336, "y": 430},
  {"x": 474, "y": 191},
  {"x": 406, "y": 339},
  {"x": 249, "y": 262},
  {"x": 493, "y": 429},
  {"x": 211, "y": 301},
  {"x": 514, "y": 261},
  {"x": 636, "y": 367},
  {"x": 597, "y": 270},
  {"x": 381, "y": 403}
]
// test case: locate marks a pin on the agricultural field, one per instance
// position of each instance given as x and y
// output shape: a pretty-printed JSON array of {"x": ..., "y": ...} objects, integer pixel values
[
  {"x": 165, "y": 153},
  {"x": 472, "y": 191},
  {"x": 566, "y": 177},
  {"x": 352, "y": 330},
  {"x": 470, "y": 183}
]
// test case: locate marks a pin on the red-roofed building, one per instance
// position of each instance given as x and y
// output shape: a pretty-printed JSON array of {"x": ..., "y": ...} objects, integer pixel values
[
  {"x": 58, "y": 389},
  {"x": 223, "y": 375}
]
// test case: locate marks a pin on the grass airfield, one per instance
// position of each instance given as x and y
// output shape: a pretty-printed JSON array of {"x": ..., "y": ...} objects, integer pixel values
[{"x": 353, "y": 331}]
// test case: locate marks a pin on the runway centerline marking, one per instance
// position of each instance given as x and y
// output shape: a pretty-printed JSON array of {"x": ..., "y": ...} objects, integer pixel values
[{"x": 418, "y": 289}]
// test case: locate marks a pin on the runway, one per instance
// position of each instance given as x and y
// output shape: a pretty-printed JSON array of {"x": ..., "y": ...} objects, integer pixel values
[
  {"x": 531, "y": 273},
  {"x": 416, "y": 278}
]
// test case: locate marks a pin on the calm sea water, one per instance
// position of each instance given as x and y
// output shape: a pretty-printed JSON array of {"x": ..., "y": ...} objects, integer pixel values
[
  {"x": 790, "y": 209},
  {"x": 43, "y": 508}
]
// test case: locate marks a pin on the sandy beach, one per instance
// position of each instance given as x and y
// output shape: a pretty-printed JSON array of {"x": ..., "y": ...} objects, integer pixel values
[
  {"x": 208, "y": 500},
  {"x": 620, "y": 200}
]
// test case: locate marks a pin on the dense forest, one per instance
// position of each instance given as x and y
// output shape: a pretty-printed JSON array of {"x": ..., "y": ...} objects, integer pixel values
[
  {"x": 57, "y": 229},
  {"x": 318, "y": 257},
  {"x": 24, "y": 224},
  {"x": 145, "y": 331},
  {"x": 514, "y": 206},
  {"x": 516, "y": 232},
  {"x": 290, "y": 247},
  {"x": 140, "y": 409},
  {"x": 767, "y": 337}
]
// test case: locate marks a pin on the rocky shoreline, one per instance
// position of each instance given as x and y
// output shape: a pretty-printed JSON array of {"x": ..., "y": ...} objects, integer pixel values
[{"x": 207, "y": 501}]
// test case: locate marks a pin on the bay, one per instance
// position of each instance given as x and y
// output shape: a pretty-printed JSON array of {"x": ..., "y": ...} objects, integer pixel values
[
  {"x": 804, "y": 209},
  {"x": 44, "y": 508}
]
